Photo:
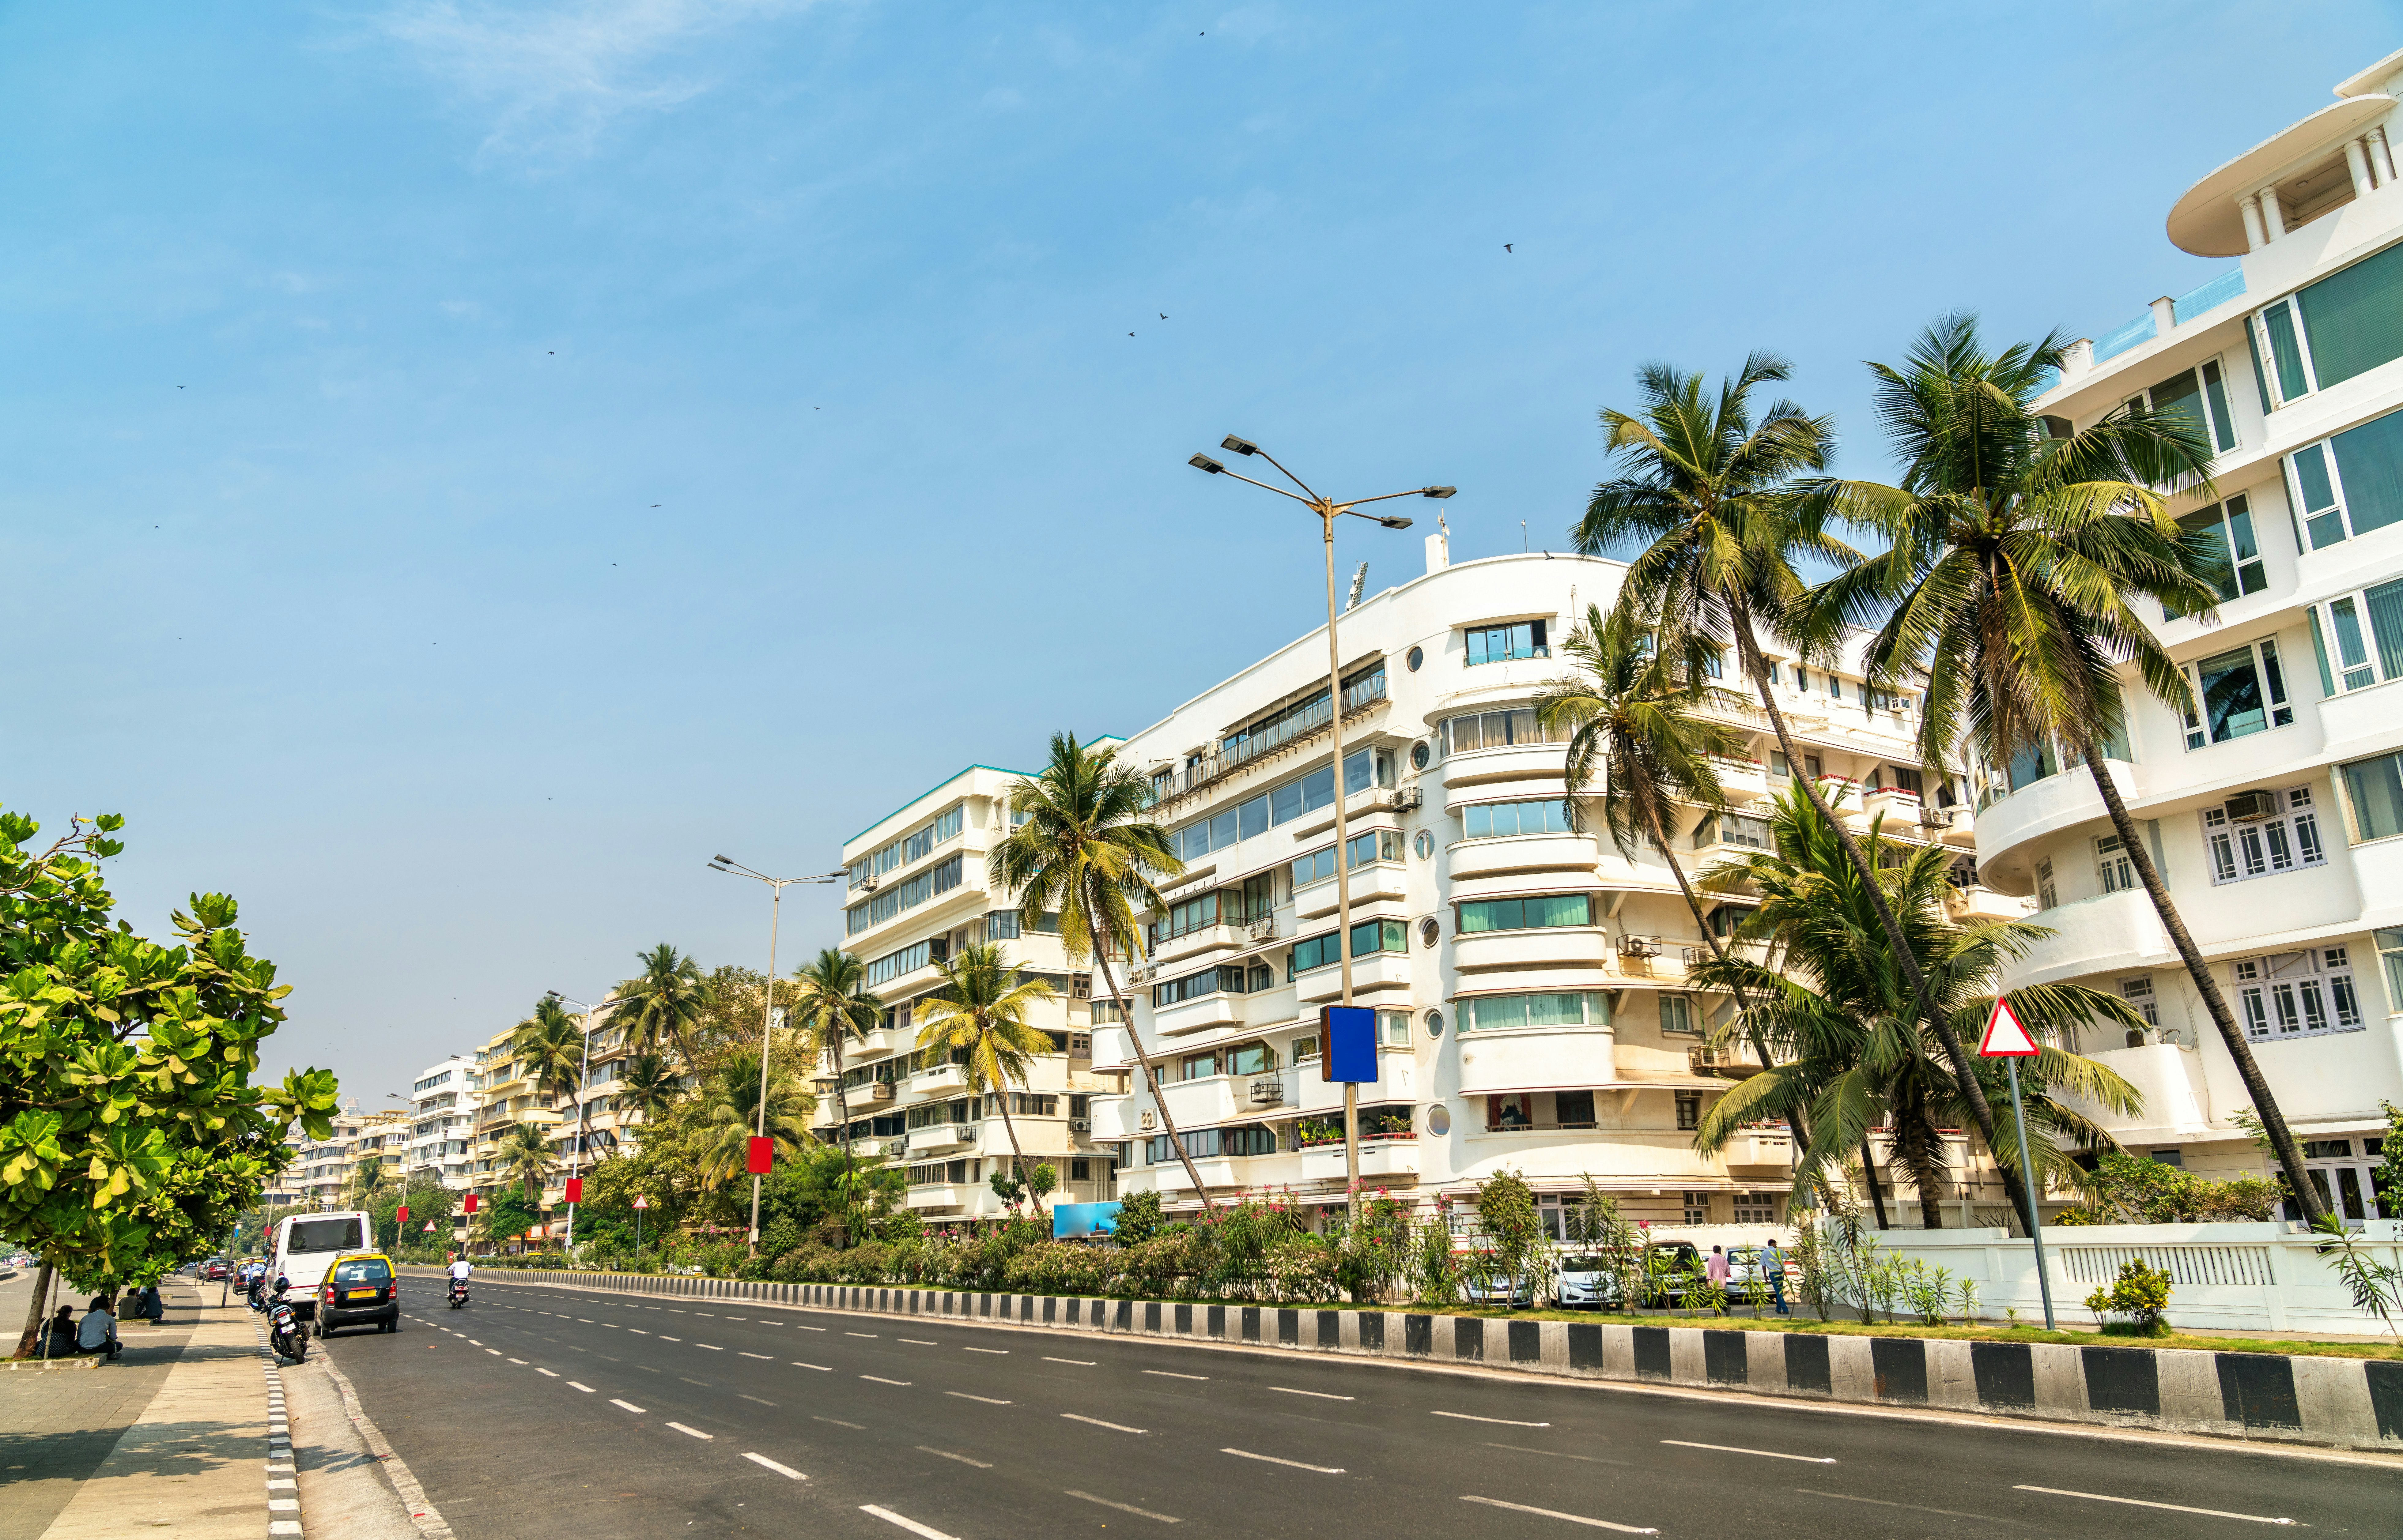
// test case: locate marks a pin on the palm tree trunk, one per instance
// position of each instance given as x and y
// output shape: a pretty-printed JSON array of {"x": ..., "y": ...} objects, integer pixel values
[
  {"x": 1962, "y": 1069},
  {"x": 1143, "y": 1057},
  {"x": 2273, "y": 1122},
  {"x": 33, "y": 1312},
  {"x": 1877, "y": 1192},
  {"x": 1018, "y": 1155},
  {"x": 842, "y": 1112}
]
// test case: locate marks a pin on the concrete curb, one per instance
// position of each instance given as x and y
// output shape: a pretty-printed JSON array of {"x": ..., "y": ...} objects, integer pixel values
[
  {"x": 283, "y": 1477},
  {"x": 2343, "y": 1403}
]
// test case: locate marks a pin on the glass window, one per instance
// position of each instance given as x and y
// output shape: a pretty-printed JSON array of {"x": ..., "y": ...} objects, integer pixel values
[
  {"x": 363, "y": 1269},
  {"x": 2048, "y": 897},
  {"x": 2111, "y": 861},
  {"x": 1252, "y": 818},
  {"x": 1502, "y": 644},
  {"x": 2375, "y": 789},
  {"x": 1502, "y": 1012},
  {"x": 2224, "y": 534},
  {"x": 1250, "y": 1058},
  {"x": 2296, "y": 994},
  {"x": 2390, "y": 951},
  {"x": 1393, "y": 1028},
  {"x": 1678, "y": 1016},
  {"x": 2198, "y": 400},
  {"x": 1494, "y": 729},
  {"x": 1733, "y": 829},
  {"x": 1369, "y": 936},
  {"x": 1302, "y": 717},
  {"x": 1501, "y": 819},
  {"x": 2354, "y": 318},
  {"x": 2138, "y": 993},
  {"x": 2242, "y": 694},
  {"x": 2316, "y": 494},
  {"x": 2285, "y": 351},
  {"x": 1541, "y": 912},
  {"x": 2262, "y": 847}
]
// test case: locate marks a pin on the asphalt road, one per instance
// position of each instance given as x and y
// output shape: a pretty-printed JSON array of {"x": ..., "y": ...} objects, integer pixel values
[{"x": 546, "y": 1414}]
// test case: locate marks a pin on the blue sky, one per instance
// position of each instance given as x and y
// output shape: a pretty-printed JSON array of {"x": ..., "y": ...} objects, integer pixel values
[{"x": 467, "y": 464}]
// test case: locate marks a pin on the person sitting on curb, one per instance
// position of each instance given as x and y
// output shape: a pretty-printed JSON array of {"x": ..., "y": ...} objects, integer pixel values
[
  {"x": 154, "y": 1307},
  {"x": 98, "y": 1333},
  {"x": 58, "y": 1334}
]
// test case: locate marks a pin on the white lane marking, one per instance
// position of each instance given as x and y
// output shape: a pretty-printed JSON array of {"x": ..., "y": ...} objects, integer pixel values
[
  {"x": 575, "y": 1385},
  {"x": 980, "y": 1465},
  {"x": 809, "y": 1328},
  {"x": 1322, "y": 1395},
  {"x": 613, "y": 1326},
  {"x": 859, "y": 1334},
  {"x": 764, "y": 1403},
  {"x": 1004, "y": 1351},
  {"x": 1123, "y": 1508},
  {"x": 628, "y": 1405},
  {"x": 738, "y": 1318},
  {"x": 1270, "y": 1459},
  {"x": 1765, "y": 1454},
  {"x": 1558, "y": 1455},
  {"x": 473, "y": 1343},
  {"x": 638, "y": 1331},
  {"x": 1086, "y": 1362},
  {"x": 881, "y": 1381},
  {"x": 781, "y": 1470},
  {"x": 910, "y": 1524},
  {"x": 821, "y": 1368},
  {"x": 1171, "y": 1374},
  {"x": 1506, "y": 1421},
  {"x": 1880, "y": 1501},
  {"x": 1117, "y": 1427},
  {"x": 584, "y": 1320},
  {"x": 553, "y": 1373},
  {"x": 986, "y": 1399},
  {"x": 673, "y": 1310},
  {"x": 1554, "y": 1513},
  {"x": 709, "y": 1346},
  {"x": 519, "y": 1362},
  {"x": 711, "y": 1314},
  {"x": 497, "y": 1353},
  {"x": 664, "y": 1337},
  {"x": 695, "y": 1433},
  {"x": 918, "y": 1342},
  {"x": 759, "y": 1356},
  {"x": 2140, "y": 1503},
  {"x": 837, "y": 1423}
]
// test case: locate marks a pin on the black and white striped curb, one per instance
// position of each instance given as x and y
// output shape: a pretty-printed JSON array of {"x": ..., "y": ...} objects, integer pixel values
[
  {"x": 282, "y": 1480},
  {"x": 2350, "y": 1403}
]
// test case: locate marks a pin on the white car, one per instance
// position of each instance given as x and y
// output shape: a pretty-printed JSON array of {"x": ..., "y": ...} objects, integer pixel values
[{"x": 304, "y": 1249}]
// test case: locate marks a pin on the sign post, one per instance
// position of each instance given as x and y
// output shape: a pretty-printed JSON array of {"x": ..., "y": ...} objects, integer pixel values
[
  {"x": 1347, "y": 1052},
  {"x": 2007, "y": 1041},
  {"x": 640, "y": 1204}
]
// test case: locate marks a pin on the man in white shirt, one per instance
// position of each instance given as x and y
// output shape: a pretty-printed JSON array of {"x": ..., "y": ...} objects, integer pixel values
[
  {"x": 97, "y": 1332},
  {"x": 460, "y": 1268}
]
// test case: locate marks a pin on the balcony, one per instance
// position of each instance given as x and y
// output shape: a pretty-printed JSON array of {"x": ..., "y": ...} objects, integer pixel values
[
  {"x": 1576, "y": 954},
  {"x": 1742, "y": 781},
  {"x": 1383, "y": 969},
  {"x": 1224, "y": 935},
  {"x": 945, "y": 1197},
  {"x": 1536, "y": 1059},
  {"x": 939, "y": 1079},
  {"x": 938, "y": 1139},
  {"x": 1379, "y": 1158},
  {"x": 1395, "y": 1067},
  {"x": 1370, "y": 880},
  {"x": 1514, "y": 856},
  {"x": 1218, "y": 1099},
  {"x": 1200, "y": 1014}
]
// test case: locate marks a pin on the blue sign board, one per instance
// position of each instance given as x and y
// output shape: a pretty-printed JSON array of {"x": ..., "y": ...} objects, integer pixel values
[
  {"x": 1349, "y": 1034},
  {"x": 1069, "y": 1220}
]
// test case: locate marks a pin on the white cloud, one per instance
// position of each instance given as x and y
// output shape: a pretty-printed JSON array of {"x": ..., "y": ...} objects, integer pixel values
[{"x": 559, "y": 73}]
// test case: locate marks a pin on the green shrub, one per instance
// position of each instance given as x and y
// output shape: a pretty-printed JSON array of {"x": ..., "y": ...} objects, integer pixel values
[{"x": 2136, "y": 1304}]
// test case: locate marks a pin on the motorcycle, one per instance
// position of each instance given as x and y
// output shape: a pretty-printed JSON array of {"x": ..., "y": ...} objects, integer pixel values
[
  {"x": 458, "y": 1293},
  {"x": 287, "y": 1333}
]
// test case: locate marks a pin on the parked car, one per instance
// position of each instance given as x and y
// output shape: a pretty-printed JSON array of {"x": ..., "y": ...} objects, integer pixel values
[
  {"x": 1668, "y": 1264},
  {"x": 214, "y": 1269},
  {"x": 1587, "y": 1283},
  {"x": 306, "y": 1246},
  {"x": 1498, "y": 1293},
  {"x": 359, "y": 1289}
]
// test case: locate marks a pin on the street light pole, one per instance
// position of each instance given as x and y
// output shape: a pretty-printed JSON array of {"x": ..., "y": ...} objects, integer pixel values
[
  {"x": 776, "y": 885},
  {"x": 1329, "y": 510},
  {"x": 584, "y": 1075}
]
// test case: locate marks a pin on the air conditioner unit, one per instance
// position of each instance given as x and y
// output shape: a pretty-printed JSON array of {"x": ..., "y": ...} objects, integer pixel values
[
  {"x": 1406, "y": 798},
  {"x": 1142, "y": 974},
  {"x": 1263, "y": 929},
  {"x": 867, "y": 885},
  {"x": 2251, "y": 807},
  {"x": 1080, "y": 1125},
  {"x": 1267, "y": 1093},
  {"x": 1936, "y": 818},
  {"x": 1639, "y": 946},
  {"x": 1150, "y": 1117},
  {"x": 881, "y": 1091}
]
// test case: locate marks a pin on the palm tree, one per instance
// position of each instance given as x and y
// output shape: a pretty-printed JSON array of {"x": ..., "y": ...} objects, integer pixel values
[
  {"x": 836, "y": 1010},
  {"x": 669, "y": 997},
  {"x": 1857, "y": 1054},
  {"x": 549, "y": 1046},
  {"x": 2013, "y": 559},
  {"x": 1632, "y": 722},
  {"x": 651, "y": 1084},
  {"x": 1711, "y": 493},
  {"x": 731, "y": 1097},
  {"x": 526, "y": 1155},
  {"x": 1088, "y": 851},
  {"x": 981, "y": 1010},
  {"x": 367, "y": 1182}
]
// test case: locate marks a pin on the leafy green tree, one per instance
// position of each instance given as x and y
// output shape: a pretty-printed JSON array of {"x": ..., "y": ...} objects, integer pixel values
[
  {"x": 979, "y": 1010},
  {"x": 669, "y": 1002},
  {"x": 131, "y": 1134},
  {"x": 551, "y": 1052},
  {"x": 1088, "y": 849},
  {"x": 427, "y": 1202},
  {"x": 1844, "y": 1013},
  {"x": 648, "y": 1085},
  {"x": 731, "y": 1098},
  {"x": 2007, "y": 586},
  {"x": 836, "y": 1009},
  {"x": 507, "y": 1217},
  {"x": 526, "y": 1157},
  {"x": 1139, "y": 1218},
  {"x": 1711, "y": 495}
]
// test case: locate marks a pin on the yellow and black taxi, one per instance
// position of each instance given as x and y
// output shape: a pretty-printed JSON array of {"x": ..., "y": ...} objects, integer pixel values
[{"x": 360, "y": 1289}]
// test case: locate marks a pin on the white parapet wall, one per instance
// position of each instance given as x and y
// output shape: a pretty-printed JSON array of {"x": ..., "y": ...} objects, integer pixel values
[{"x": 2228, "y": 1277}]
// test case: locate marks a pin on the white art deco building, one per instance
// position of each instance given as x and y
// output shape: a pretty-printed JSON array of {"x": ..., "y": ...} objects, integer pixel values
[{"x": 2276, "y": 811}]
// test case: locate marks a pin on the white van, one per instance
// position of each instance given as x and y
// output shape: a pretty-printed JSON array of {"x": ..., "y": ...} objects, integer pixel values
[{"x": 305, "y": 1247}]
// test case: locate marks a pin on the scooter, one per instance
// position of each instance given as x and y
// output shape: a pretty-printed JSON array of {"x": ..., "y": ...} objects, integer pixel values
[
  {"x": 287, "y": 1333},
  {"x": 458, "y": 1293}
]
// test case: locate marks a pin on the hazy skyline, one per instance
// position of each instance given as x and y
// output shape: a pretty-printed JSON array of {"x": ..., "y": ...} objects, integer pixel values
[{"x": 471, "y": 464}]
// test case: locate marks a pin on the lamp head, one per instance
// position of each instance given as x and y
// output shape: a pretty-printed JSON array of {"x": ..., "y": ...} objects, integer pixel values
[
  {"x": 1203, "y": 462},
  {"x": 1238, "y": 446},
  {"x": 1439, "y": 491},
  {"x": 721, "y": 860},
  {"x": 1394, "y": 522}
]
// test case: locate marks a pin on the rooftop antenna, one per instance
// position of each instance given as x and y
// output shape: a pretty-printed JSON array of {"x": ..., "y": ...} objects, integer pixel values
[
  {"x": 1522, "y": 537},
  {"x": 1442, "y": 525},
  {"x": 1358, "y": 578}
]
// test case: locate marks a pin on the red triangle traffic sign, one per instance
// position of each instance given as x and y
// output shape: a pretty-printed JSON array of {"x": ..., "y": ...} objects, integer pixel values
[{"x": 2005, "y": 1037}]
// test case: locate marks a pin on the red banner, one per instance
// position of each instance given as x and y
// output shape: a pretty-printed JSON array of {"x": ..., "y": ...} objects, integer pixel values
[
  {"x": 400, "y": 1214},
  {"x": 763, "y": 1155},
  {"x": 471, "y": 1202},
  {"x": 575, "y": 1190}
]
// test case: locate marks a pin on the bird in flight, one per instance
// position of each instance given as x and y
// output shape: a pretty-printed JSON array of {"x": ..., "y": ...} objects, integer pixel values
[
  {"x": 1163, "y": 315},
  {"x": 1130, "y": 334},
  {"x": 1506, "y": 245},
  {"x": 655, "y": 505}
]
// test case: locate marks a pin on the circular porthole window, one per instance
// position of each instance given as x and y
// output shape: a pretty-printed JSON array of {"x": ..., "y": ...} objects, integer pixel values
[
  {"x": 1424, "y": 844},
  {"x": 1434, "y": 1023},
  {"x": 1438, "y": 1121},
  {"x": 1420, "y": 752},
  {"x": 1428, "y": 929},
  {"x": 1415, "y": 659}
]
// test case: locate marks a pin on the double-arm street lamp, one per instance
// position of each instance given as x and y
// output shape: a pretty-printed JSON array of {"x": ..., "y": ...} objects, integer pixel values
[
  {"x": 776, "y": 885},
  {"x": 1329, "y": 509},
  {"x": 584, "y": 1084}
]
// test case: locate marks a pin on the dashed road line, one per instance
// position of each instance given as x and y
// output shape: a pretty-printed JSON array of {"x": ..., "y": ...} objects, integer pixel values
[
  {"x": 918, "y": 1342},
  {"x": 1506, "y": 1421},
  {"x": 709, "y": 1347},
  {"x": 767, "y": 1355},
  {"x": 628, "y": 1405},
  {"x": 859, "y": 1334},
  {"x": 881, "y": 1381},
  {"x": 1555, "y": 1513},
  {"x": 1004, "y": 1351},
  {"x": 2140, "y": 1503},
  {"x": 821, "y": 1368},
  {"x": 1322, "y": 1395},
  {"x": 694, "y": 1433},
  {"x": 988, "y": 1400},
  {"x": 763, "y": 1402},
  {"x": 1765, "y": 1454},
  {"x": 586, "y": 1389},
  {"x": 928, "y": 1448},
  {"x": 837, "y": 1423},
  {"x": 1115, "y": 1427},
  {"x": 1278, "y": 1460},
  {"x": 1171, "y": 1374},
  {"x": 1086, "y": 1362},
  {"x": 1123, "y": 1508},
  {"x": 539, "y": 1369},
  {"x": 910, "y": 1524},
  {"x": 774, "y": 1465}
]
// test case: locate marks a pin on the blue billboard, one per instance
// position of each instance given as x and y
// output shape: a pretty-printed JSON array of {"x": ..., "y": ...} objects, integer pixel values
[
  {"x": 1349, "y": 1034},
  {"x": 1071, "y": 1220}
]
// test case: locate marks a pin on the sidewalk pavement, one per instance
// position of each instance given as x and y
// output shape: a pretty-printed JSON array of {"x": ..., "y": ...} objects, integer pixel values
[{"x": 184, "y": 1436}]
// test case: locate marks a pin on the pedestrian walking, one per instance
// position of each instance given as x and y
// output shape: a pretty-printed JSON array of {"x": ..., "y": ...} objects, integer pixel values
[
  {"x": 1772, "y": 1267},
  {"x": 1715, "y": 1269}
]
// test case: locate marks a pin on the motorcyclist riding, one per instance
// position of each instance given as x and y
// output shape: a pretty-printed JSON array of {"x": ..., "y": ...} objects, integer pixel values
[{"x": 460, "y": 1268}]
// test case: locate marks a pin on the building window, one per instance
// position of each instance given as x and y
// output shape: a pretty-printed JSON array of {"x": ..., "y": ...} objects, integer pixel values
[
  {"x": 1393, "y": 1028},
  {"x": 1502, "y": 1012},
  {"x": 2262, "y": 847},
  {"x": 1537, "y": 913},
  {"x": 1186, "y": 918},
  {"x": 1697, "y": 1205},
  {"x": 2359, "y": 623},
  {"x": 1371, "y": 936},
  {"x": 2243, "y": 692},
  {"x": 1229, "y": 978},
  {"x": 1501, "y": 819},
  {"x": 2296, "y": 994},
  {"x": 1493, "y": 729},
  {"x": 2224, "y": 533},
  {"x": 1423, "y": 843},
  {"x": 2116, "y": 872},
  {"x": 2196, "y": 399},
  {"x": 1503, "y": 644},
  {"x": 1302, "y": 717},
  {"x": 1756, "y": 1208},
  {"x": 1677, "y": 1016},
  {"x": 2345, "y": 325},
  {"x": 2390, "y": 951},
  {"x": 2374, "y": 787},
  {"x": 2138, "y": 993},
  {"x": 2047, "y": 896},
  {"x": 1731, "y": 828},
  {"x": 2350, "y": 483},
  {"x": 1376, "y": 845}
]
